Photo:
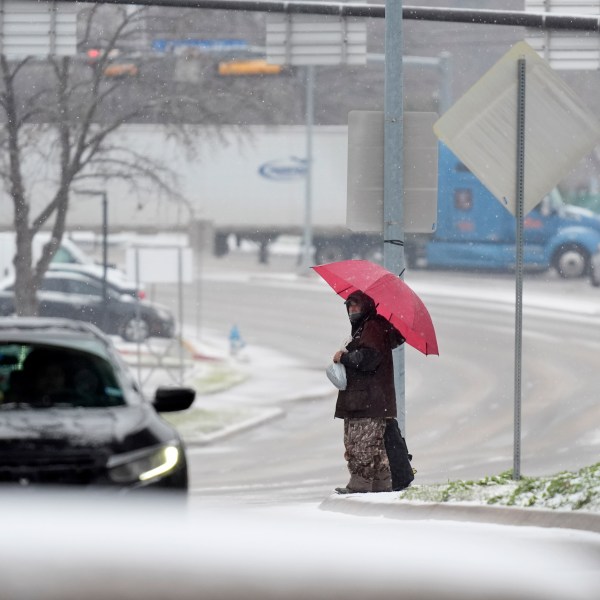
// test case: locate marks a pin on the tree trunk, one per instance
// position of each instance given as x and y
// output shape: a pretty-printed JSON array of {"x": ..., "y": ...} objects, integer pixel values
[{"x": 26, "y": 302}]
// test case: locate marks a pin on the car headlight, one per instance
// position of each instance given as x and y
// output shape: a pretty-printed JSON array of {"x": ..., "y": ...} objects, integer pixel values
[{"x": 144, "y": 465}]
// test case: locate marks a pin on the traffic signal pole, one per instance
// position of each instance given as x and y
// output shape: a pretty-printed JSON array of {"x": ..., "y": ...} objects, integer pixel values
[
  {"x": 473, "y": 16},
  {"x": 393, "y": 201}
]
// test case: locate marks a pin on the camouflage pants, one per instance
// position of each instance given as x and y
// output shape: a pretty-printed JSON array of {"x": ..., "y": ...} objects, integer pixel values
[{"x": 365, "y": 452}]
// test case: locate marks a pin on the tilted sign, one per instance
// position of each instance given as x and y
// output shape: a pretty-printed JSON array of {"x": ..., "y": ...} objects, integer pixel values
[
  {"x": 567, "y": 50},
  {"x": 480, "y": 128},
  {"x": 316, "y": 40},
  {"x": 37, "y": 28}
]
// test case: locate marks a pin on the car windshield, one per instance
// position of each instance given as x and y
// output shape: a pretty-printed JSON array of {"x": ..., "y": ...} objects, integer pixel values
[{"x": 42, "y": 376}]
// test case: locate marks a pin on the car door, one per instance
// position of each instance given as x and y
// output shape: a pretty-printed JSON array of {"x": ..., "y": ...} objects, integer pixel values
[
  {"x": 87, "y": 300},
  {"x": 55, "y": 299}
]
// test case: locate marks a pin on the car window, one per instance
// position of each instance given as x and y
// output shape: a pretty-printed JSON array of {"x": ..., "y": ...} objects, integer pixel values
[
  {"x": 52, "y": 285},
  {"x": 63, "y": 256},
  {"x": 89, "y": 288},
  {"x": 37, "y": 376}
]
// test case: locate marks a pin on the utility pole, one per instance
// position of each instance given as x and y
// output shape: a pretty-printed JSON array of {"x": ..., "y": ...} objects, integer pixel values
[
  {"x": 104, "y": 198},
  {"x": 393, "y": 143}
]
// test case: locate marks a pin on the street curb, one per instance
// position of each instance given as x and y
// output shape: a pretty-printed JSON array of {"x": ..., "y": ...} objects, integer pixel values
[
  {"x": 205, "y": 440},
  {"x": 500, "y": 515}
]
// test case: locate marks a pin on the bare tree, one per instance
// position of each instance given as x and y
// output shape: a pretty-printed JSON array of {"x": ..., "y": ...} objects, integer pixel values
[{"x": 67, "y": 112}]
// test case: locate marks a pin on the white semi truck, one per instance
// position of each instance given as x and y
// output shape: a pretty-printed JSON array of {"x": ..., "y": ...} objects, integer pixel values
[{"x": 250, "y": 184}]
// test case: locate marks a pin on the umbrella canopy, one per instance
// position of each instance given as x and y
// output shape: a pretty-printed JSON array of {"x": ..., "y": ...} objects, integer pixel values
[{"x": 394, "y": 299}]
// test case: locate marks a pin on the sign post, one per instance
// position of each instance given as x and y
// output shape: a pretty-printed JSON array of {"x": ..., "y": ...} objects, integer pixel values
[
  {"x": 393, "y": 172},
  {"x": 481, "y": 129},
  {"x": 519, "y": 191}
]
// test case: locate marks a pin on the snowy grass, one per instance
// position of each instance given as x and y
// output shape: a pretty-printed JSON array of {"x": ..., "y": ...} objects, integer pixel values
[
  {"x": 564, "y": 491},
  {"x": 199, "y": 421},
  {"x": 217, "y": 377}
]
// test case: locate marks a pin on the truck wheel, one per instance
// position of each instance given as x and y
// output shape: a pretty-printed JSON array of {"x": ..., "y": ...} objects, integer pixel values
[
  {"x": 571, "y": 262},
  {"x": 329, "y": 253},
  {"x": 374, "y": 254},
  {"x": 410, "y": 257},
  {"x": 221, "y": 248}
]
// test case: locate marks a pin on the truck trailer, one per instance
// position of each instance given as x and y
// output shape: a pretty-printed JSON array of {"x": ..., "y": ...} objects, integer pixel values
[{"x": 251, "y": 183}]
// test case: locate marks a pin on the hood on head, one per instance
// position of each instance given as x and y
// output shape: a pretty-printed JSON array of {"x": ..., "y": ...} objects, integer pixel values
[{"x": 366, "y": 302}]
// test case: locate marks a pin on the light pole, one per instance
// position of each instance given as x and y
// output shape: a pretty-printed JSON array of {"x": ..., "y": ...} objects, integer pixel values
[
  {"x": 104, "y": 197},
  {"x": 309, "y": 121}
]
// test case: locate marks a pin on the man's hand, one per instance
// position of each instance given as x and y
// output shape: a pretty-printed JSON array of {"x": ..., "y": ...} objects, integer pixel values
[{"x": 337, "y": 356}]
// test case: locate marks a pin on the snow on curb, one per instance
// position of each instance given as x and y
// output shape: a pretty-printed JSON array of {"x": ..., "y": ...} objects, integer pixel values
[{"x": 388, "y": 505}]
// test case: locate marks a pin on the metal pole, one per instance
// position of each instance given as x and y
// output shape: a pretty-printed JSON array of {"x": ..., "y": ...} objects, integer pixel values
[
  {"x": 180, "y": 293},
  {"x": 514, "y": 18},
  {"x": 310, "y": 117},
  {"x": 393, "y": 204},
  {"x": 104, "y": 259},
  {"x": 521, "y": 65},
  {"x": 198, "y": 286},
  {"x": 137, "y": 313},
  {"x": 445, "y": 67}
]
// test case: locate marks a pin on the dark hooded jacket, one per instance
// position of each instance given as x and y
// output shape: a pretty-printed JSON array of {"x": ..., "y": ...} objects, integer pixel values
[{"x": 370, "y": 389}]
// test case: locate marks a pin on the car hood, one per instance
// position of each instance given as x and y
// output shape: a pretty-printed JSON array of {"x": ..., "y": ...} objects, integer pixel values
[
  {"x": 116, "y": 429},
  {"x": 581, "y": 215}
]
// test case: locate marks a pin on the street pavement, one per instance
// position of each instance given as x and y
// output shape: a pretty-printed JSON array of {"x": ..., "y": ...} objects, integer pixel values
[{"x": 253, "y": 385}]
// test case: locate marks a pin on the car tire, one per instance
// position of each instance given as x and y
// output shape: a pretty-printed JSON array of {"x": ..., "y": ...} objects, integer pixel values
[
  {"x": 329, "y": 252},
  {"x": 134, "y": 329},
  {"x": 571, "y": 262},
  {"x": 374, "y": 253}
]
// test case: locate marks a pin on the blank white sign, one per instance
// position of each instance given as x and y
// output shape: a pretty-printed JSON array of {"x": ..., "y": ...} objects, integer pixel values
[
  {"x": 159, "y": 264},
  {"x": 364, "y": 209}
]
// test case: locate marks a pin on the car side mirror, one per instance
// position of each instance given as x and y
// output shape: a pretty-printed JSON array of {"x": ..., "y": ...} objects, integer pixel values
[{"x": 172, "y": 399}]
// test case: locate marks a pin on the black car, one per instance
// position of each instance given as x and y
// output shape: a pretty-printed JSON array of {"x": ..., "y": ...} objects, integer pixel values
[
  {"x": 77, "y": 295},
  {"x": 71, "y": 412},
  {"x": 116, "y": 279}
]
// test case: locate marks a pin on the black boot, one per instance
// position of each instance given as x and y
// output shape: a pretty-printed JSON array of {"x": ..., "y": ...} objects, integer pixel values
[{"x": 346, "y": 490}]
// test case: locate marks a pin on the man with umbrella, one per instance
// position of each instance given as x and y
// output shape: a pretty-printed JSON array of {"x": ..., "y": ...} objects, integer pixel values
[
  {"x": 369, "y": 399},
  {"x": 384, "y": 312}
]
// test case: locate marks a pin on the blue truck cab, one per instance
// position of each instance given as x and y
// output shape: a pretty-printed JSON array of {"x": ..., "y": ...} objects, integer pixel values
[{"x": 475, "y": 231}]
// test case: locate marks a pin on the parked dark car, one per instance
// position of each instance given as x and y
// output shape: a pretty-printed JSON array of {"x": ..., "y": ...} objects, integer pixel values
[
  {"x": 77, "y": 295},
  {"x": 115, "y": 278},
  {"x": 73, "y": 414}
]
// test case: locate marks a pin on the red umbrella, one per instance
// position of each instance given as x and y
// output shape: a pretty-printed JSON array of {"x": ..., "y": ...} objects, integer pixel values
[{"x": 395, "y": 301}]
